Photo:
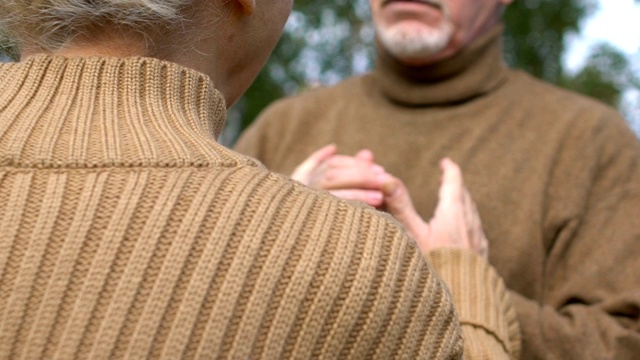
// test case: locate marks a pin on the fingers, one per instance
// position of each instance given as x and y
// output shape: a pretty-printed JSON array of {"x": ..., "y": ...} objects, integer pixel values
[
  {"x": 456, "y": 222},
  {"x": 302, "y": 172},
  {"x": 345, "y": 173},
  {"x": 328, "y": 171},
  {"x": 399, "y": 204},
  {"x": 397, "y": 196},
  {"x": 365, "y": 155},
  {"x": 451, "y": 172},
  {"x": 345, "y": 161},
  {"x": 370, "y": 197},
  {"x": 350, "y": 177},
  {"x": 452, "y": 185}
]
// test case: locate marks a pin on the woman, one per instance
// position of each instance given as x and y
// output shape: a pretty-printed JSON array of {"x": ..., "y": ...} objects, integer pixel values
[{"x": 127, "y": 231}]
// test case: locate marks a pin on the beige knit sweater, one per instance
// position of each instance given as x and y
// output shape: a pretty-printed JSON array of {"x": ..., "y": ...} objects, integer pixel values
[
  {"x": 128, "y": 232},
  {"x": 556, "y": 177}
]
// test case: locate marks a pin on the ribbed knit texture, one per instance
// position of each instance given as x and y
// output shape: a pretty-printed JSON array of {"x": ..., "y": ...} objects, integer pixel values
[
  {"x": 489, "y": 320},
  {"x": 128, "y": 232},
  {"x": 556, "y": 177}
]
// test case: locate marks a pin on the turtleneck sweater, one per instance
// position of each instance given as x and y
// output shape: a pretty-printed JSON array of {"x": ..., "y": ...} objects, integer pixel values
[
  {"x": 556, "y": 177},
  {"x": 128, "y": 232}
]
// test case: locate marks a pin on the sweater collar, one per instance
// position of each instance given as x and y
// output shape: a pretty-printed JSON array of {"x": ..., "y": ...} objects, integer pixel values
[
  {"x": 472, "y": 72},
  {"x": 108, "y": 111}
]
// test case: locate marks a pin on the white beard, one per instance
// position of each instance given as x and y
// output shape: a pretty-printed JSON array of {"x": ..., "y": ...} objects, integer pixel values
[{"x": 411, "y": 43}]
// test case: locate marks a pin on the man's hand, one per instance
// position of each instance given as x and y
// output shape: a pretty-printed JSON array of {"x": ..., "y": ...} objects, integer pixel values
[
  {"x": 456, "y": 222},
  {"x": 349, "y": 177}
]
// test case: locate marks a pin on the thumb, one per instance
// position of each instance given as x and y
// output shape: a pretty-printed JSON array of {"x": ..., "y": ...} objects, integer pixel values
[
  {"x": 399, "y": 204},
  {"x": 302, "y": 171},
  {"x": 452, "y": 184}
]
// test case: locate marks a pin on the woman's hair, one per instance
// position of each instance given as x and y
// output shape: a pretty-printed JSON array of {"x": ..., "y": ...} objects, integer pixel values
[{"x": 49, "y": 24}]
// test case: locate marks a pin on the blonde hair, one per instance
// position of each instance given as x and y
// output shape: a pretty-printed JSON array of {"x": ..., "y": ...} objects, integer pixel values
[{"x": 49, "y": 24}]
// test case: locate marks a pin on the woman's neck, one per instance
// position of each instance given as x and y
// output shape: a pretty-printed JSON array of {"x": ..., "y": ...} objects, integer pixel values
[{"x": 116, "y": 44}]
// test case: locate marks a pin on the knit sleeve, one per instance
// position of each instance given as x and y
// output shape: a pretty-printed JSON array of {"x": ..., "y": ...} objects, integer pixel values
[{"x": 487, "y": 316}]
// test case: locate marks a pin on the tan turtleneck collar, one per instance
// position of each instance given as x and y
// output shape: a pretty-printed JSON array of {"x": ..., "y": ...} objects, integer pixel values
[
  {"x": 99, "y": 111},
  {"x": 472, "y": 72}
]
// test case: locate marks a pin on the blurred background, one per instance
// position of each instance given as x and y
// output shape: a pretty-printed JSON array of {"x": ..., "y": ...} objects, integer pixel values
[{"x": 590, "y": 46}]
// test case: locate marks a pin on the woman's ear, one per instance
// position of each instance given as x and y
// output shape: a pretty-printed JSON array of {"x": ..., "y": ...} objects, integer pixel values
[{"x": 248, "y": 6}]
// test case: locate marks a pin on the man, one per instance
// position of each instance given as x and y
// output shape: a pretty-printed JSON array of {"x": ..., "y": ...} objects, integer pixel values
[
  {"x": 556, "y": 177},
  {"x": 126, "y": 231}
]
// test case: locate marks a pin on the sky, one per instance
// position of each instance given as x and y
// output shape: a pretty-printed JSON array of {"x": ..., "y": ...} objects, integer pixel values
[{"x": 615, "y": 21}]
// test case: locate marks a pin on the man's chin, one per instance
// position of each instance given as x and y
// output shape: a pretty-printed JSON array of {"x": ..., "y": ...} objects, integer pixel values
[{"x": 413, "y": 43}]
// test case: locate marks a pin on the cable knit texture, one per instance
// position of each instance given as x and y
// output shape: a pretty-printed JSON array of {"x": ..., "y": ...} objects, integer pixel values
[
  {"x": 128, "y": 232},
  {"x": 556, "y": 177}
]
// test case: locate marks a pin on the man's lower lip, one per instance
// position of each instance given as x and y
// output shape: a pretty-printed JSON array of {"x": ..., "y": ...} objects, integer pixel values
[{"x": 428, "y": 3}]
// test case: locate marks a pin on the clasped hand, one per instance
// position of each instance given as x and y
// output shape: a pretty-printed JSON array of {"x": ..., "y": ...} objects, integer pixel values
[{"x": 455, "y": 223}]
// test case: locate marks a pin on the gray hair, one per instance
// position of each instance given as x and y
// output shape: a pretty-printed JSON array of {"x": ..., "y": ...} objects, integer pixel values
[{"x": 49, "y": 24}]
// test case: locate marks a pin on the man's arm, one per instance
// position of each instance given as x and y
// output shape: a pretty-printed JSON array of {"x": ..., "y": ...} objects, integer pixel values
[
  {"x": 591, "y": 307},
  {"x": 589, "y": 304}
]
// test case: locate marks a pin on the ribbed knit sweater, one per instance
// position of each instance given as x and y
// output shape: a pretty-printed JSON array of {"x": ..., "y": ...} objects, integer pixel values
[
  {"x": 556, "y": 178},
  {"x": 128, "y": 232}
]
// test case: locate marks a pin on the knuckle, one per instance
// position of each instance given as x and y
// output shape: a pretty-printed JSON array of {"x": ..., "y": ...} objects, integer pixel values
[{"x": 329, "y": 176}]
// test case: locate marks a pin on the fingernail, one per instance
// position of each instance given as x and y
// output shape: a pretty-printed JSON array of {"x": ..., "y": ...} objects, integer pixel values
[{"x": 389, "y": 188}]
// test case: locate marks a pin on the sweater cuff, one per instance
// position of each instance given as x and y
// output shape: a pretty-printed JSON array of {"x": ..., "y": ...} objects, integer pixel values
[{"x": 479, "y": 293}]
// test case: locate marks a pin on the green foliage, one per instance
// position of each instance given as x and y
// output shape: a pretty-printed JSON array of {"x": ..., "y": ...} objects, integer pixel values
[
  {"x": 606, "y": 73},
  {"x": 326, "y": 41},
  {"x": 535, "y": 41},
  {"x": 323, "y": 42},
  {"x": 333, "y": 39},
  {"x": 536, "y": 32}
]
